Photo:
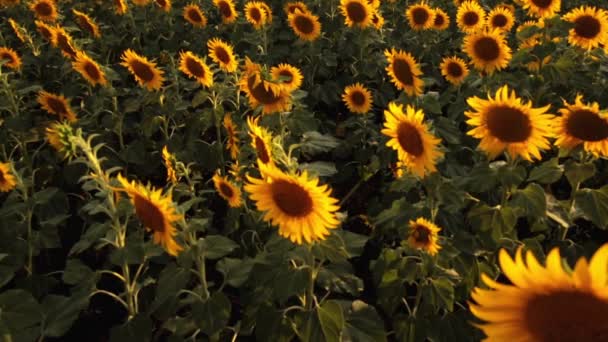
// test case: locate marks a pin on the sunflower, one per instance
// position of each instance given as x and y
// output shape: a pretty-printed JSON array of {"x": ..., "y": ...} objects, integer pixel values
[
  {"x": 305, "y": 25},
  {"x": 454, "y": 69},
  {"x": 8, "y": 3},
  {"x": 7, "y": 179},
  {"x": 120, "y": 6},
  {"x": 289, "y": 76},
  {"x": 441, "y": 21},
  {"x": 86, "y": 23},
  {"x": 194, "y": 67},
  {"x": 255, "y": 14},
  {"x": 232, "y": 143},
  {"x": 470, "y": 17},
  {"x": 195, "y": 16},
  {"x": 505, "y": 122},
  {"x": 292, "y": 7},
  {"x": 582, "y": 123},
  {"x": 261, "y": 141},
  {"x": 221, "y": 53},
  {"x": 377, "y": 20},
  {"x": 416, "y": 147},
  {"x": 165, "y": 5},
  {"x": 545, "y": 303},
  {"x": 272, "y": 96},
  {"x": 11, "y": 58},
  {"x": 358, "y": 99},
  {"x": 155, "y": 211},
  {"x": 488, "y": 50},
  {"x": 301, "y": 207},
  {"x": 227, "y": 10},
  {"x": 141, "y": 3},
  {"x": 508, "y": 7},
  {"x": 44, "y": 10},
  {"x": 56, "y": 105},
  {"x": 48, "y": 32},
  {"x": 356, "y": 13},
  {"x": 89, "y": 69},
  {"x": 145, "y": 72},
  {"x": 59, "y": 134},
  {"x": 404, "y": 71},
  {"x": 227, "y": 190},
  {"x": 501, "y": 19},
  {"x": 420, "y": 16},
  {"x": 268, "y": 11},
  {"x": 169, "y": 161},
  {"x": 63, "y": 41},
  {"x": 542, "y": 8},
  {"x": 590, "y": 27},
  {"x": 423, "y": 234},
  {"x": 18, "y": 30}
]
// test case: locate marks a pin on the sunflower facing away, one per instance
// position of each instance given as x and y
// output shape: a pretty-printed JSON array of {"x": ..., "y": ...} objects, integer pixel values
[
  {"x": 7, "y": 180},
  {"x": 289, "y": 76},
  {"x": 542, "y": 8},
  {"x": 470, "y": 17},
  {"x": 169, "y": 161},
  {"x": 356, "y": 13},
  {"x": 63, "y": 40},
  {"x": 305, "y": 25},
  {"x": 488, "y": 50},
  {"x": 227, "y": 190},
  {"x": 357, "y": 98},
  {"x": 420, "y": 16},
  {"x": 590, "y": 27},
  {"x": 227, "y": 10},
  {"x": 156, "y": 212},
  {"x": 417, "y": 149},
  {"x": 56, "y": 105},
  {"x": 582, "y": 123},
  {"x": 195, "y": 15},
  {"x": 45, "y": 30},
  {"x": 221, "y": 53},
  {"x": 86, "y": 23},
  {"x": 194, "y": 67},
  {"x": 454, "y": 69},
  {"x": 232, "y": 141},
  {"x": 423, "y": 234},
  {"x": 261, "y": 141},
  {"x": 58, "y": 134},
  {"x": 441, "y": 21},
  {"x": 404, "y": 71},
  {"x": 302, "y": 208},
  {"x": 505, "y": 122},
  {"x": 271, "y": 96},
  {"x": 18, "y": 30},
  {"x": 145, "y": 72},
  {"x": 44, "y": 10},
  {"x": 500, "y": 18},
  {"x": 545, "y": 303},
  {"x": 255, "y": 14},
  {"x": 10, "y": 57},
  {"x": 89, "y": 69}
]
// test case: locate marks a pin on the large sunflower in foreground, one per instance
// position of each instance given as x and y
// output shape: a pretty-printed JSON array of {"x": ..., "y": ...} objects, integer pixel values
[
  {"x": 195, "y": 15},
  {"x": 7, "y": 180},
  {"x": 416, "y": 147},
  {"x": 542, "y": 8},
  {"x": 505, "y": 122},
  {"x": 582, "y": 123},
  {"x": 404, "y": 71},
  {"x": 423, "y": 234},
  {"x": 256, "y": 14},
  {"x": 10, "y": 57},
  {"x": 545, "y": 303},
  {"x": 222, "y": 54},
  {"x": 227, "y": 10},
  {"x": 288, "y": 75},
  {"x": 488, "y": 50},
  {"x": 356, "y": 13},
  {"x": 420, "y": 16},
  {"x": 590, "y": 27},
  {"x": 442, "y": 19},
  {"x": 89, "y": 69},
  {"x": 271, "y": 96},
  {"x": 305, "y": 25},
  {"x": 261, "y": 141},
  {"x": 302, "y": 208},
  {"x": 44, "y": 10},
  {"x": 63, "y": 40},
  {"x": 500, "y": 18},
  {"x": 454, "y": 69},
  {"x": 56, "y": 105},
  {"x": 227, "y": 190},
  {"x": 145, "y": 72},
  {"x": 357, "y": 98},
  {"x": 86, "y": 23},
  {"x": 155, "y": 211},
  {"x": 232, "y": 141},
  {"x": 470, "y": 17},
  {"x": 194, "y": 67}
]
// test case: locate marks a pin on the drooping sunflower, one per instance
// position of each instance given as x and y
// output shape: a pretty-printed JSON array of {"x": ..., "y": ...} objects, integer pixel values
[
  {"x": 45, "y": 30},
  {"x": 58, "y": 135},
  {"x": 377, "y": 20},
  {"x": 195, "y": 15},
  {"x": 289, "y": 76},
  {"x": 155, "y": 211},
  {"x": 44, "y": 10},
  {"x": 441, "y": 21},
  {"x": 271, "y": 96},
  {"x": 165, "y": 5},
  {"x": 404, "y": 71},
  {"x": 222, "y": 54},
  {"x": 423, "y": 234},
  {"x": 542, "y": 8},
  {"x": 590, "y": 27},
  {"x": 11, "y": 58},
  {"x": 89, "y": 69},
  {"x": 305, "y": 25},
  {"x": 255, "y": 14},
  {"x": 7, "y": 179},
  {"x": 227, "y": 190},
  {"x": 120, "y": 7},
  {"x": 505, "y": 122},
  {"x": 18, "y": 30},
  {"x": 454, "y": 69},
  {"x": 302, "y": 208},
  {"x": 63, "y": 40},
  {"x": 227, "y": 10},
  {"x": 194, "y": 67},
  {"x": 544, "y": 303},
  {"x": 416, "y": 147},
  {"x": 470, "y": 17},
  {"x": 420, "y": 16},
  {"x": 169, "y": 161},
  {"x": 582, "y": 123},
  {"x": 261, "y": 141},
  {"x": 356, "y": 13},
  {"x": 86, "y": 23},
  {"x": 232, "y": 141},
  {"x": 357, "y": 98},
  {"x": 500, "y": 18},
  {"x": 488, "y": 50},
  {"x": 145, "y": 72},
  {"x": 56, "y": 105},
  {"x": 292, "y": 7}
]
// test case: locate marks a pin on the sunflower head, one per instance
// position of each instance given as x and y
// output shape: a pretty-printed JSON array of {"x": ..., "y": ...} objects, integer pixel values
[
  {"x": 261, "y": 141},
  {"x": 195, "y": 15},
  {"x": 45, "y": 30},
  {"x": 488, "y": 50},
  {"x": 305, "y": 25},
  {"x": 194, "y": 67},
  {"x": 164, "y": 5},
  {"x": 44, "y": 10},
  {"x": 232, "y": 143},
  {"x": 289, "y": 76},
  {"x": 582, "y": 123},
  {"x": 228, "y": 190},
  {"x": 63, "y": 40},
  {"x": 59, "y": 136},
  {"x": 501, "y": 19},
  {"x": 18, "y": 30},
  {"x": 86, "y": 23},
  {"x": 424, "y": 235},
  {"x": 377, "y": 20},
  {"x": 292, "y": 7},
  {"x": 145, "y": 72},
  {"x": 268, "y": 94},
  {"x": 169, "y": 161},
  {"x": 89, "y": 69},
  {"x": 255, "y": 14},
  {"x": 120, "y": 7},
  {"x": 356, "y": 12},
  {"x": 357, "y": 98},
  {"x": 420, "y": 16},
  {"x": 10, "y": 58},
  {"x": 221, "y": 53},
  {"x": 542, "y": 8},
  {"x": 7, "y": 179},
  {"x": 441, "y": 20},
  {"x": 590, "y": 27},
  {"x": 404, "y": 71},
  {"x": 454, "y": 69},
  {"x": 56, "y": 105},
  {"x": 470, "y": 17},
  {"x": 227, "y": 10}
]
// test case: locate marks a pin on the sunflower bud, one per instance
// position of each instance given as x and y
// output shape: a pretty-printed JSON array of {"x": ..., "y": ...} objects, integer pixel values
[{"x": 59, "y": 135}]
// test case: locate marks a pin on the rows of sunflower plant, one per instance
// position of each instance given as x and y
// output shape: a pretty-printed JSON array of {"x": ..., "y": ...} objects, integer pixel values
[{"x": 356, "y": 170}]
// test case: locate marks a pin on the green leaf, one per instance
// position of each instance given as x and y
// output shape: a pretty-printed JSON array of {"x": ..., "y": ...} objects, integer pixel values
[
  {"x": 340, "y": 278},
  {"x": 319, "y": 168},
  {"x": 235, "y": 271},
  {"x": 75, "y": 272},
  {"x": 547, "y": 172},
  {"x": 170, "y": 281},
  {"x": 20, "y": 314},
  {"x": 441, "y": 294},
  {"x": 577, "y": 173},
  {"x": 272, "y": 325},
  {"x": 363, "y": 323},
  {"x": 594, "y": 205},
  {"x": 138, "y": 328},
  {"x": 45, "y": 195},
  {"x": 331, "y": 319},
  {"x": 216, "y": 246},
  {"x": 60, "y": 312},
  {"x": 531, "y": 200},
  {"x": 212, "y": 316},
  {"x": 314, "y": 142}
]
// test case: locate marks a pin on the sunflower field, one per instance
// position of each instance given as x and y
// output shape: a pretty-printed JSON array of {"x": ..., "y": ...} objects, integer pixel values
[{"x": 315, "y": 170}]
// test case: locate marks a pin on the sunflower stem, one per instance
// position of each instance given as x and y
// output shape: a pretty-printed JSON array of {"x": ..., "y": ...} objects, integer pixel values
[
  {"x": 9, "y": 91},
  {"x": 203, "y": 276},
  {"x": 310, "y": 292}
]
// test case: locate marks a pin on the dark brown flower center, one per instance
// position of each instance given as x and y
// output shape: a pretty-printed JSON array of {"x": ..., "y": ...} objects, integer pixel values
[
  {"x": 287, "y": 74},
  {"x": 142, "y": 70},
  {"x": 43, "y": 9},
  {"x": 421, "y": 234},
  {"x": 403, "y": 71},
  {"x": 92, "y": 71},
  {"x": 226, "y": 190},
  {"x": 439, "y": 20},
  {"x": 587, "y": 27},
  {"x": 587, "y": 126},
  {"x": 57, "y": 106},
  {"x": 508, "y": 124},
  {"x": 409, "y": 139},
  {"x": 486, "y": 49},
  {"x": 566, "y": 315},
  {"x": 85, "y": 24},
  {"x": 225, "y": 9},
  {"x": 356, "y": 12},
  {"x": 420, "y": 16},
  {"x": 195, "y": 67},
  {"x": 259, "y": 91},
  {"x": 470, "y": 18},
  {"x": 194, "y": 15},
  {"x": 357, "y": 98},
  {"x": 45, "y": 32},
  {"x": 222, "y": 54},
  {"x": 7, "y": 56},
  {"x": 255, "y": 14},
  {"x": 149, "y": 214},
  {"x": 261, "y": 151},
  {"x": 304, "y": 24},
  {"x": 499, "y": 20},
  {"x": 542, "y": 3},
  {"x": 292, "y": 199},
  {"x": 454, "y": 69},
  {"x": 162, "y": 3},
  {"x": 65, "y": 45}
]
